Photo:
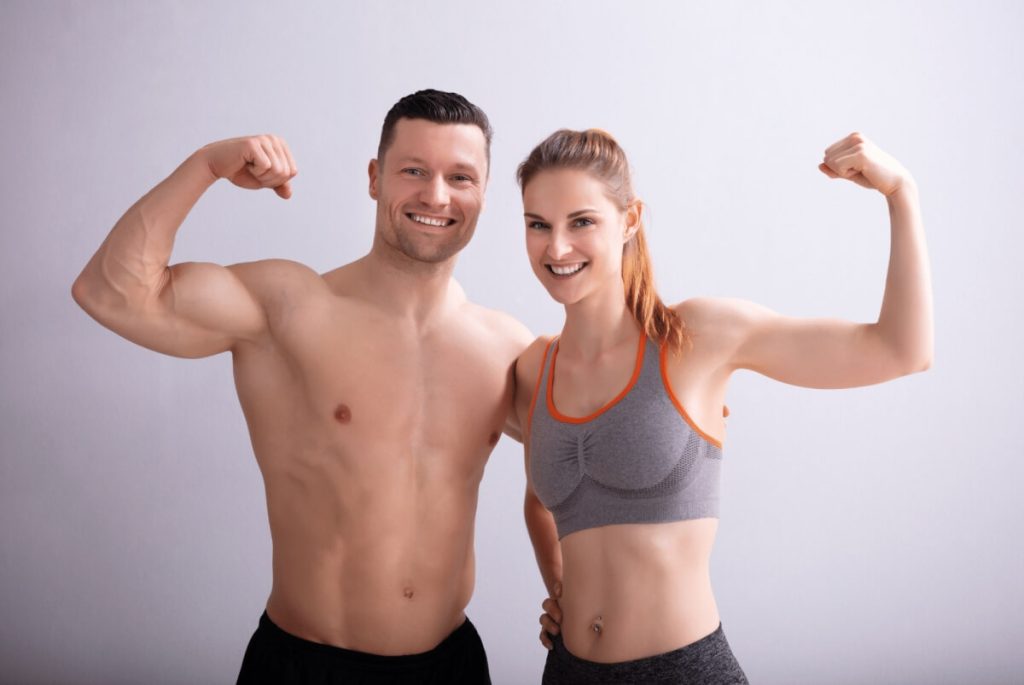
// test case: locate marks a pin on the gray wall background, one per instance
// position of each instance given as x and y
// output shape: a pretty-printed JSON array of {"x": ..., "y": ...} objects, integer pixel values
[{"x": 869, "y": 535}]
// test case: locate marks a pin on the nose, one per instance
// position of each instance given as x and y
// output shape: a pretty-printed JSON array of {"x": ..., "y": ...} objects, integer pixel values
[
  {"x": 435, "y": 192},
  {"x": 558, "y": 244}
]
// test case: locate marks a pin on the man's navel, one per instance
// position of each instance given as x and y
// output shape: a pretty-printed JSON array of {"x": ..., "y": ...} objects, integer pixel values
[{"x": 342, "y": 414}]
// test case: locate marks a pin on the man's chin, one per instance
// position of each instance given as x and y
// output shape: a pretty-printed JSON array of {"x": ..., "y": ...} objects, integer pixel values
[{"x": 431, "y": 254}]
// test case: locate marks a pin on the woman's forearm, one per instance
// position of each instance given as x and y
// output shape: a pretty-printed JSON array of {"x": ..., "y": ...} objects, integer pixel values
[{"x": 905, "y": 322}]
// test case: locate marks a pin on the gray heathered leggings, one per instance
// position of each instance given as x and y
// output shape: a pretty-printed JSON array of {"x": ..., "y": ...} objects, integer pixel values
[{"x": 708, "y": 661}]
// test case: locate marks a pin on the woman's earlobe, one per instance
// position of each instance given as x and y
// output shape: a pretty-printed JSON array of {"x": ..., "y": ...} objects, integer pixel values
[
  {"x": 633, "y": 224},
  {"x": 631, "y": 230}
]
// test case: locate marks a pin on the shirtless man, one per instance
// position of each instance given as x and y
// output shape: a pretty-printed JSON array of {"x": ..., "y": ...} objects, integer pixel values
[{"x": 374, "y": 394}]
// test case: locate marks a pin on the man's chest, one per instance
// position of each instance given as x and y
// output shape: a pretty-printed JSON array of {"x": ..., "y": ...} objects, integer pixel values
[{"x": 367, "y": 377}]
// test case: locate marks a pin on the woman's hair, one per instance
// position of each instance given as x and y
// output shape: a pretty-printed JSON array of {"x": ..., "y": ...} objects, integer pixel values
[{"x": 597, "y": 153}]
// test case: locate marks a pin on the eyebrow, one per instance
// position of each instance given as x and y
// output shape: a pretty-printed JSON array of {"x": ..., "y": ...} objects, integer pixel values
[{"x": 571, "y": 215}]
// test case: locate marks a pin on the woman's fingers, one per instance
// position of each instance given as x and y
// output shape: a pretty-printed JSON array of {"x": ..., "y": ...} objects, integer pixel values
[
  {"x": 545, "y": 640},
  {"x": 552, "y": 609},
  {"x": 549, "y": 625},
  {"x": 845, "y": 142},
  {"x": 828, "y": 172}
]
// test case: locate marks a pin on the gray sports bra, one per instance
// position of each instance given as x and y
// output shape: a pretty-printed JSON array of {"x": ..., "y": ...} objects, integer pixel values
[{"x": 638, "y": 459}]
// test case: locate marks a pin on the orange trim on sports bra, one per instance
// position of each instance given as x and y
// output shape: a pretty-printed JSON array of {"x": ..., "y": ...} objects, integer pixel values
[
  {"x": 536, "y": 388},
  {"x": 679, "y": 405},
  {"x": 572, "y": 419}
]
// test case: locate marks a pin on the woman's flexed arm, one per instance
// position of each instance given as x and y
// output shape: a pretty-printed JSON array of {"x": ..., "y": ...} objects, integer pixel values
[{"x": 832, "y": 353}]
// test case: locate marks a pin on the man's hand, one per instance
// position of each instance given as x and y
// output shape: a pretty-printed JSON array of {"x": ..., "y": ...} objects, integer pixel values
[
  {"x": 252, "y": 162},
  {"x": 551, "y": 619},
  {"x": 857, "y": 159}
]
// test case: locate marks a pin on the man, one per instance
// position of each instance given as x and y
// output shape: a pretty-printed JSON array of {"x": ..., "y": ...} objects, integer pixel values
[{"x": 374, "y": 394}]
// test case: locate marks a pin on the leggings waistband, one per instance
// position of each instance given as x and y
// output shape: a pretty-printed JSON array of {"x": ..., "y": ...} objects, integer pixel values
[{"x": 708, "y": 660}]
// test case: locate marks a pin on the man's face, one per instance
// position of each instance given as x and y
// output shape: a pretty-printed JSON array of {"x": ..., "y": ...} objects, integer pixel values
[{"x": 429, "y": 188}]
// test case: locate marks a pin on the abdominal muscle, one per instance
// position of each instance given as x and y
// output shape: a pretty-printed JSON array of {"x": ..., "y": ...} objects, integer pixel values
[
  {"x": 635, "y": 590},
  {"x": 385, "y": 572}
]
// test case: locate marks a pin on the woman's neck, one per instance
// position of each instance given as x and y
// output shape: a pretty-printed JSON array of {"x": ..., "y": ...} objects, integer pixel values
[{"x": 598, "y": 324}]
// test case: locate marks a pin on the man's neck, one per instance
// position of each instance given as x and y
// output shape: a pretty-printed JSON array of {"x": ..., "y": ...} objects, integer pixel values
[{"x": 406, "y": 287}]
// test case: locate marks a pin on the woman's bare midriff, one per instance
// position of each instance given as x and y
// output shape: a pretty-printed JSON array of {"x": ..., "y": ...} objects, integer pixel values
[{"x": 635, "y": 590}]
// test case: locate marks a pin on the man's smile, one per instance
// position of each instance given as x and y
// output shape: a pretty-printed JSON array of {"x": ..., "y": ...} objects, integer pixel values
[{"x": 438, "y": 222}]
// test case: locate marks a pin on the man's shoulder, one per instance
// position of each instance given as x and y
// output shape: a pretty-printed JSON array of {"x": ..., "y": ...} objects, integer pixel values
[
  {"x": 505, "y": 328},
  {"x": 273, "y": 269},
  {"x": 274, "y": 279}
]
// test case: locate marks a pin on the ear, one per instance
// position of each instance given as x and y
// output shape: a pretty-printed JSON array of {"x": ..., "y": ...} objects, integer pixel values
[
  {"x": 634, "y": 215},
  {"x": 374, "y": 172}
]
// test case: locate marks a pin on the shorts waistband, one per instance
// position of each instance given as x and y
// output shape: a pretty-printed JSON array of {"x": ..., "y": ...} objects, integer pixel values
[{"x": 456, "y": 639}]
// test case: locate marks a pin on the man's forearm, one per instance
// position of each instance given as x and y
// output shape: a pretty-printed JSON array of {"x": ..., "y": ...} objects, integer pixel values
[{"x": 131, "y": 264}]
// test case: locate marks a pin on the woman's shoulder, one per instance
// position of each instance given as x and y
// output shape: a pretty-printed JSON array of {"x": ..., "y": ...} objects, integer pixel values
[
  {"x": 709, "y": 310},
  {"x": 718, "y": 322}
]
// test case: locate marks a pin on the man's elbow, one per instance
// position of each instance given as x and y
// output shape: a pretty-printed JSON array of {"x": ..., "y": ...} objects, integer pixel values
[{"x": 82, "y": 292}]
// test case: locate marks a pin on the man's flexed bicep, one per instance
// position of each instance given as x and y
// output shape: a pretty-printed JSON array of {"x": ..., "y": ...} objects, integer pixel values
[
  {"x": 200, "y": 309},
  {"x": 189, "y": 309}
]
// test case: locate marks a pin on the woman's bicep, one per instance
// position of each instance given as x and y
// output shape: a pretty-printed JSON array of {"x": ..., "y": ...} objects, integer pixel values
[{"x": 810, "y": 352}]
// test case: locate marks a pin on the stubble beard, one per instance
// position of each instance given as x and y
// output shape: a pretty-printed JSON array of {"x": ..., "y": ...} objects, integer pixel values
[{"x": 432, "y": 252}]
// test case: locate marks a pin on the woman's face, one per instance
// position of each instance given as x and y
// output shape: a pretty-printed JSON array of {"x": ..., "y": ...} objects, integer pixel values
[{"x": 574, "y": 233}]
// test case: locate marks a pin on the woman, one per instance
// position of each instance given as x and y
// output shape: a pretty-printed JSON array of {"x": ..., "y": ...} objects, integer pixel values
[{"x": 624, "y": 410}]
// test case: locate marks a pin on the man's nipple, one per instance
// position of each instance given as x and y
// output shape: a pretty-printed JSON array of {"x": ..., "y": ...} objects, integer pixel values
[{"x": 342, "y": 414}]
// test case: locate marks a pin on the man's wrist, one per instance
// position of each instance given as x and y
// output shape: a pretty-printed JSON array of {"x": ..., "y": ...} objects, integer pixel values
[{"x": 199, "y": 164}]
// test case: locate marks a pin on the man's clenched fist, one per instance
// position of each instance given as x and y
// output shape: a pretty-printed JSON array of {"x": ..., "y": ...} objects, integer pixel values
[{"x": 252, "y": 162}]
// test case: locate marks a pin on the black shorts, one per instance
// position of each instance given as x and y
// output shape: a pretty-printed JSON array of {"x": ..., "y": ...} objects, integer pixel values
[
  {"x": 708, "y": 661},
  {"x": 274, "y": 656}
]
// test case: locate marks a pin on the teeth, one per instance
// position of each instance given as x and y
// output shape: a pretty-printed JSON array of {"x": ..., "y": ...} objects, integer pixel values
[
  {"x": 566, "y": 270},
  {"x": 429, "y": 221}
]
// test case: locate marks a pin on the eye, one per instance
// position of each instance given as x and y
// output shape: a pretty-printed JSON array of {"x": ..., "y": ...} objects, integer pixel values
[
  {"x": 537, "y": 225},
  {"x": 412, "y": 171},
  {"x": 582, "y": 222},
  {"x": 462, "y": 178}
]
